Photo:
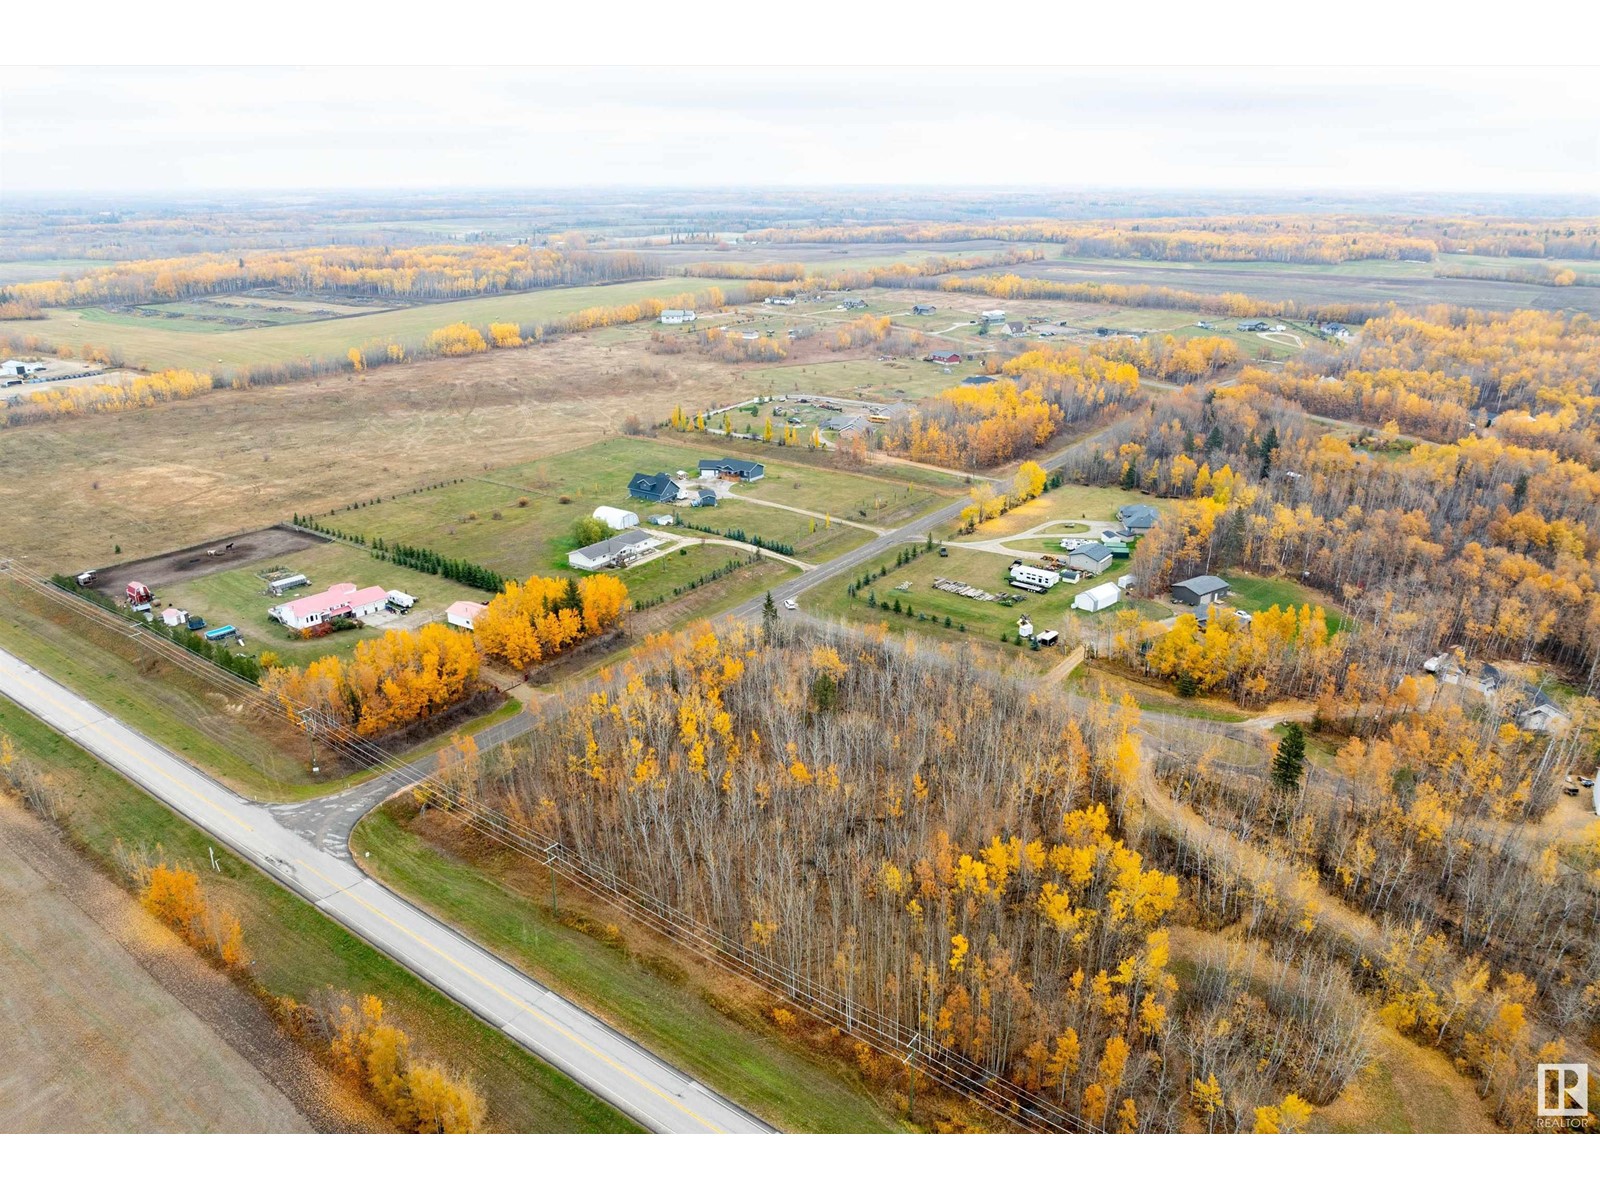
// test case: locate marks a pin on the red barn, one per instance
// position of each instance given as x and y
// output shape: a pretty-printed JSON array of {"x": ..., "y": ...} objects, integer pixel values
[{"x": 945, "y": 358}]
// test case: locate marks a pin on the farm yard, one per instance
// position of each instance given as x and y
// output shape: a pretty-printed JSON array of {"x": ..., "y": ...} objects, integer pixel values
[
  {"x": 1065, "y": 507},
  {"x": 238, "y": 597}
]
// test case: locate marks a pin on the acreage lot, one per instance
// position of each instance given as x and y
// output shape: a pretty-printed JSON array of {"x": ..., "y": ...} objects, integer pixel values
[
  {"x": 96, "y": 1043},
  {"x": 519, "y": 520},
  {"x": 985, "y": 620},
  {"x": 238, "y": 597},
  {"x": 1063, "y": 510},
  {"x": 207, "y": 558},
  {"x": 205, "y": 346},
  {"x": 1375, "y": 283}
]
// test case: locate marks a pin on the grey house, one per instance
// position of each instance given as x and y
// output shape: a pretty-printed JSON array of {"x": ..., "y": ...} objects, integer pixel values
[{"x": 1138, "y": 518}]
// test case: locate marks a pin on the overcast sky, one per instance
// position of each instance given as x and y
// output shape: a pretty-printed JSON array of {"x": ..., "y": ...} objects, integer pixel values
[{"x": 168, "y": 129}]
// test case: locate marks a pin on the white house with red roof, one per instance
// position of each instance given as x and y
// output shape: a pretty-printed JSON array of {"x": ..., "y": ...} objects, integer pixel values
[
  {"x": 340, "y": 600},
  {"x": 463, "y": 613}
]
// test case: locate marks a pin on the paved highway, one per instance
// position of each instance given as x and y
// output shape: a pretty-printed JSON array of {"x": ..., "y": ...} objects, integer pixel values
[{"x": 653, "y": 1093}]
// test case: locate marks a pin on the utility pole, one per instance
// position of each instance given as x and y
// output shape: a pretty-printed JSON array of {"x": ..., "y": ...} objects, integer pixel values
[{"x": 550, "y": 860}]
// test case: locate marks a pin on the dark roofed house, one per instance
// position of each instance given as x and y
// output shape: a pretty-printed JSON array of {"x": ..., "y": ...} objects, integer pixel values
[
  {"x": 738, "y": 468},
  {"x": 1201, "y": 590},
  {"x": 660, "y": 487},
  {"x": 1138, "y": 518},
  {"x": 923, "y": 310},
  {"x": 1538, "y": 713}
]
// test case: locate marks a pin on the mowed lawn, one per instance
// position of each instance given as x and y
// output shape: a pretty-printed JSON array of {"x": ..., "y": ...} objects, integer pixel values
[
  {"x": 1255, "y": 594},
  {"x": 155, "y": 343},
  {"x": 239, "y": 598},
  {"x": 985, "y": 620},
  {"x": 1069, "y": 503}
]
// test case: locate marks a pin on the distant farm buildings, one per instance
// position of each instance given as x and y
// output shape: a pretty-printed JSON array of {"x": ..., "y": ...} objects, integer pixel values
[
  {"x": 945, "y": 358},
  {"x": 677, "y": 316},
  {"x": 340, "y": 600},
  {"x": 924, "y": 310}
]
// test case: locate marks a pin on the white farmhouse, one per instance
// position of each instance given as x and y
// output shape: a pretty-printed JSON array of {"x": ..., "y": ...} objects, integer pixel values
[{"x": 677, "y": 316}]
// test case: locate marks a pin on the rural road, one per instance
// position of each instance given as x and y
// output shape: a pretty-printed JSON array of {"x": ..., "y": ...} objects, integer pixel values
[{"x": 576, "y": 1043}]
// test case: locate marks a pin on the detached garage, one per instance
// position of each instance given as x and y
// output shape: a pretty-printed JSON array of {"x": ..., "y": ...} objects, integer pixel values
[{"x": 1200, "y": 591}]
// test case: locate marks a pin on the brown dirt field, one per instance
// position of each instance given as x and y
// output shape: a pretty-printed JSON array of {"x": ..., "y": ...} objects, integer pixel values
[
  {"x": 193, "y": 562},
  {"x": 202, "y": 468},
  {"x": 114, "y": 1025}
]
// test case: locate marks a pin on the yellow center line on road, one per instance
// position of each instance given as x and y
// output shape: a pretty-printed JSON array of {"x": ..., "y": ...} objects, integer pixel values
[{"x": 133, "y": 752}]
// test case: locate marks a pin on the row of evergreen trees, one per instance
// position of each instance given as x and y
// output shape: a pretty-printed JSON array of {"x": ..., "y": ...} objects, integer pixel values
[
  {"x": 699, "y": 581},
  {"x": 739, "y": 535}
]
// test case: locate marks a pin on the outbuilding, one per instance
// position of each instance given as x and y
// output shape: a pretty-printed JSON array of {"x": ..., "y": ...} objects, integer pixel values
[
  {"x": 1090, "y": 557},
  {"x": 616, "y": 518},
  {"x": 1200, "y": 591},
  {"x": 1101, "y": 596},
  {"x": 287, "y": 584},
  {"x": 944, "y": 358},
  {"x": 463, "y": 614},
  {"x": 173, "y": 617}
]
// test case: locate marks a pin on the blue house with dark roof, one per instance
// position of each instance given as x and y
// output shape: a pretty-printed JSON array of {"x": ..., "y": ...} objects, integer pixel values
[{"x": 660, "y": 487}]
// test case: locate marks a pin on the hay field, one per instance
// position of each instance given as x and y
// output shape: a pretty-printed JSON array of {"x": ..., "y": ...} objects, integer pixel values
[
  {"x": 225, "y": 462},
  {"x": 98, "y": 1041},
  {"x": 154, "y": 343}
]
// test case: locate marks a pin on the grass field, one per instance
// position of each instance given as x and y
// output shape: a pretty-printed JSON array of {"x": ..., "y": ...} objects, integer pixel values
[
  {"x": 31, "y": 269},
  {"x": 97, "y": 1040},
  {"x": 156, "y": 343},
  {"x": 650, "y": 989},
  {"x": 236, "y": 598},
  {"x": 297, "y": 951},
  {"x": 1255, "y": 594}
]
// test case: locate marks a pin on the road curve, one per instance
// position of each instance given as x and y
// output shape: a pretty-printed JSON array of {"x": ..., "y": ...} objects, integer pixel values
[{"x": 610, "y": 1065}]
